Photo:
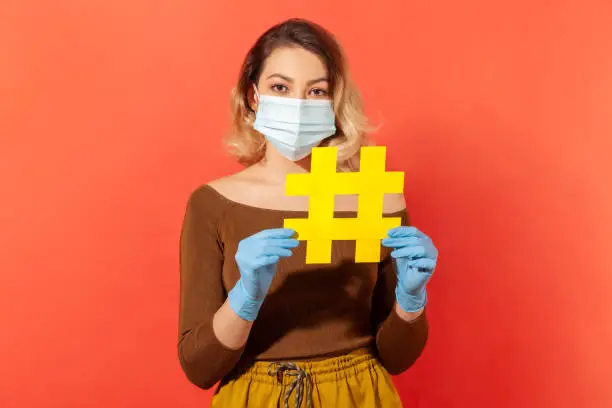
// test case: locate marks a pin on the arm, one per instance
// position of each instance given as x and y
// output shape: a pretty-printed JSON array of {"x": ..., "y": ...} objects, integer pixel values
[
  {"x": 407, "y": 316},
  {"x": 211, "y": 335},
  {"x": 215, "y": 325},
  {"x": 400, "y": 336},
  {"x": 231, "y": 329},
  {"x": 404, "y": 275}
]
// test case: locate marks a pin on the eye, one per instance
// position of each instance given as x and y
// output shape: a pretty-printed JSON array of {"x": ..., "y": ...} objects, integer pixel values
[
  {"x": 279, "y": 88},
  {"x": 319, "y": 93}
]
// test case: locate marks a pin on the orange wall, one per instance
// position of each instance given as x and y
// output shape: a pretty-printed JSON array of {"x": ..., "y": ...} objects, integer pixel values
[{"x": 500, "y": 112}]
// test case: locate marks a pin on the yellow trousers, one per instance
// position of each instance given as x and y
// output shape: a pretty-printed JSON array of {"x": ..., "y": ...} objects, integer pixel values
[{"x": 353, "y": 380}]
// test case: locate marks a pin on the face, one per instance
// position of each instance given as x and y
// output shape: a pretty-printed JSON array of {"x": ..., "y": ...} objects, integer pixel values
[
  {"x": 294, "y": 72},
  {"x": 291, "y": 72}
]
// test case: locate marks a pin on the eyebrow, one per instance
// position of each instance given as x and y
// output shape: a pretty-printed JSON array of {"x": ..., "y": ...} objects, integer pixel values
[{"x": 288, "y": 79}]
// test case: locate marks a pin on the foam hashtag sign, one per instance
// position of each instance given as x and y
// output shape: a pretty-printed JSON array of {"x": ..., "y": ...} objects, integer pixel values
[{"x": 323, "y": 183}]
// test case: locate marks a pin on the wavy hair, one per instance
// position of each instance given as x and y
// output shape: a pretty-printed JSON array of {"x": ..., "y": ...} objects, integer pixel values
[{"x": 248, "y": 145}]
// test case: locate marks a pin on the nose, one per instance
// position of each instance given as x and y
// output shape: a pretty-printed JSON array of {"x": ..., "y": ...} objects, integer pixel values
[{"x": 300, "y": 91}]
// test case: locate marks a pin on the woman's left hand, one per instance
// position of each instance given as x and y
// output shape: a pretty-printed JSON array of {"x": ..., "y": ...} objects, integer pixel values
[{"x": 415, "y": 260}]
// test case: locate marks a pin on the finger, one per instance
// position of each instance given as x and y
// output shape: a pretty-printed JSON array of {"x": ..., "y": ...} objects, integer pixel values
[
  {"x": 404, "y": 231},
  {"x": 423, "y": 263},
  {"x": 409, "y": 252},
  {"x": 400, "y": 242},
  {"x": 271, "y": 250},
  {"x": 274, "y": 233},
  {"x": 283, "y": 242},
  {"x": 265, "y": 261}
]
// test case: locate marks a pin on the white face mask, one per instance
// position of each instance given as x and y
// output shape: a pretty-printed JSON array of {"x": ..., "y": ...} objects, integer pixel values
[{"x": 294, "y": 126}]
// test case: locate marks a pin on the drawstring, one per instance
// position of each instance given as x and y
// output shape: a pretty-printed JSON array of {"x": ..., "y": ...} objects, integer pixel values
[{"x": 301, "y": 377}]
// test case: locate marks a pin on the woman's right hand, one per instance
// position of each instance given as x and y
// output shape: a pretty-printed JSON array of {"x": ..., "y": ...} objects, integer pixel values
[{"x": 257, "y": 257}]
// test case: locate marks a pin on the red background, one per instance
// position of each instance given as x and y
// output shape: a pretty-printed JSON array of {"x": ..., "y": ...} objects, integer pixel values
[{"x": 499, "y": 112}]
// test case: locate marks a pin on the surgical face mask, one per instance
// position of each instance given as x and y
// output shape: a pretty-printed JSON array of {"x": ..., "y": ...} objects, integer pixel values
[{"x": 294, "y": 126}]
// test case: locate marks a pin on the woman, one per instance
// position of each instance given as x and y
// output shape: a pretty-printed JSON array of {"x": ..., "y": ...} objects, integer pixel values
[{"x": 274, "y": 330}]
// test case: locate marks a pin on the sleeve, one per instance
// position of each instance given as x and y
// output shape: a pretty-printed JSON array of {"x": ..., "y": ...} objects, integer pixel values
[
  {"x": 398, "y": 343},
  {"x": 203, "y": 358}
]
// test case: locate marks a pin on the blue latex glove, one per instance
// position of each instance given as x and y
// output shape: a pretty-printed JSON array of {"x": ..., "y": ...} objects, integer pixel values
[
  {"x": 257, "y": 256},
  {"x": 415, "y": 260}
]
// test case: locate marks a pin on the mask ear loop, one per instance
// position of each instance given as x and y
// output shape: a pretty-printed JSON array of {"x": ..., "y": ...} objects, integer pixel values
[
  {"x": 256, "y": 100},
  {"x": 263, "y": 141},
  {"x": 256, "y": 93}
]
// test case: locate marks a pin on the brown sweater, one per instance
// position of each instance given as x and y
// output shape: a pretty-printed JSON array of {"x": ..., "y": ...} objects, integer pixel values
[{"x": 311, "y": 311}]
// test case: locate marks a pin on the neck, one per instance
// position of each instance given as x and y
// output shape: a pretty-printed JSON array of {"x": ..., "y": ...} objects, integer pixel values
[{"x": 276, "y": 166}]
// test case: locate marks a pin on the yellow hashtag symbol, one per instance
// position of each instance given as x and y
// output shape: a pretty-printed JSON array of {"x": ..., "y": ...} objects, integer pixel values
[{"x": 323, "y": 183}]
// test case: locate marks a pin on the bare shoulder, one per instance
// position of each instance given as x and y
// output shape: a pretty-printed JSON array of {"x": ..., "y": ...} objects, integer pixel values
[
  {"x": 232, "y": 181},
  {"x": 238, "y": 186},
  {"x": 394, "y": 203},
  {"x": 224, "y": 183}
]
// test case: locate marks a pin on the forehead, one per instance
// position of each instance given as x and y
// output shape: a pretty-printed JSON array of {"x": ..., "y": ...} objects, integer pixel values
[{"x": 294, "y": 62}]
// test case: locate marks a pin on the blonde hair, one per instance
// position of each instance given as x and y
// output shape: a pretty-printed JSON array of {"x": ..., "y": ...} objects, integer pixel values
[{"x": 352, "y": 128}]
